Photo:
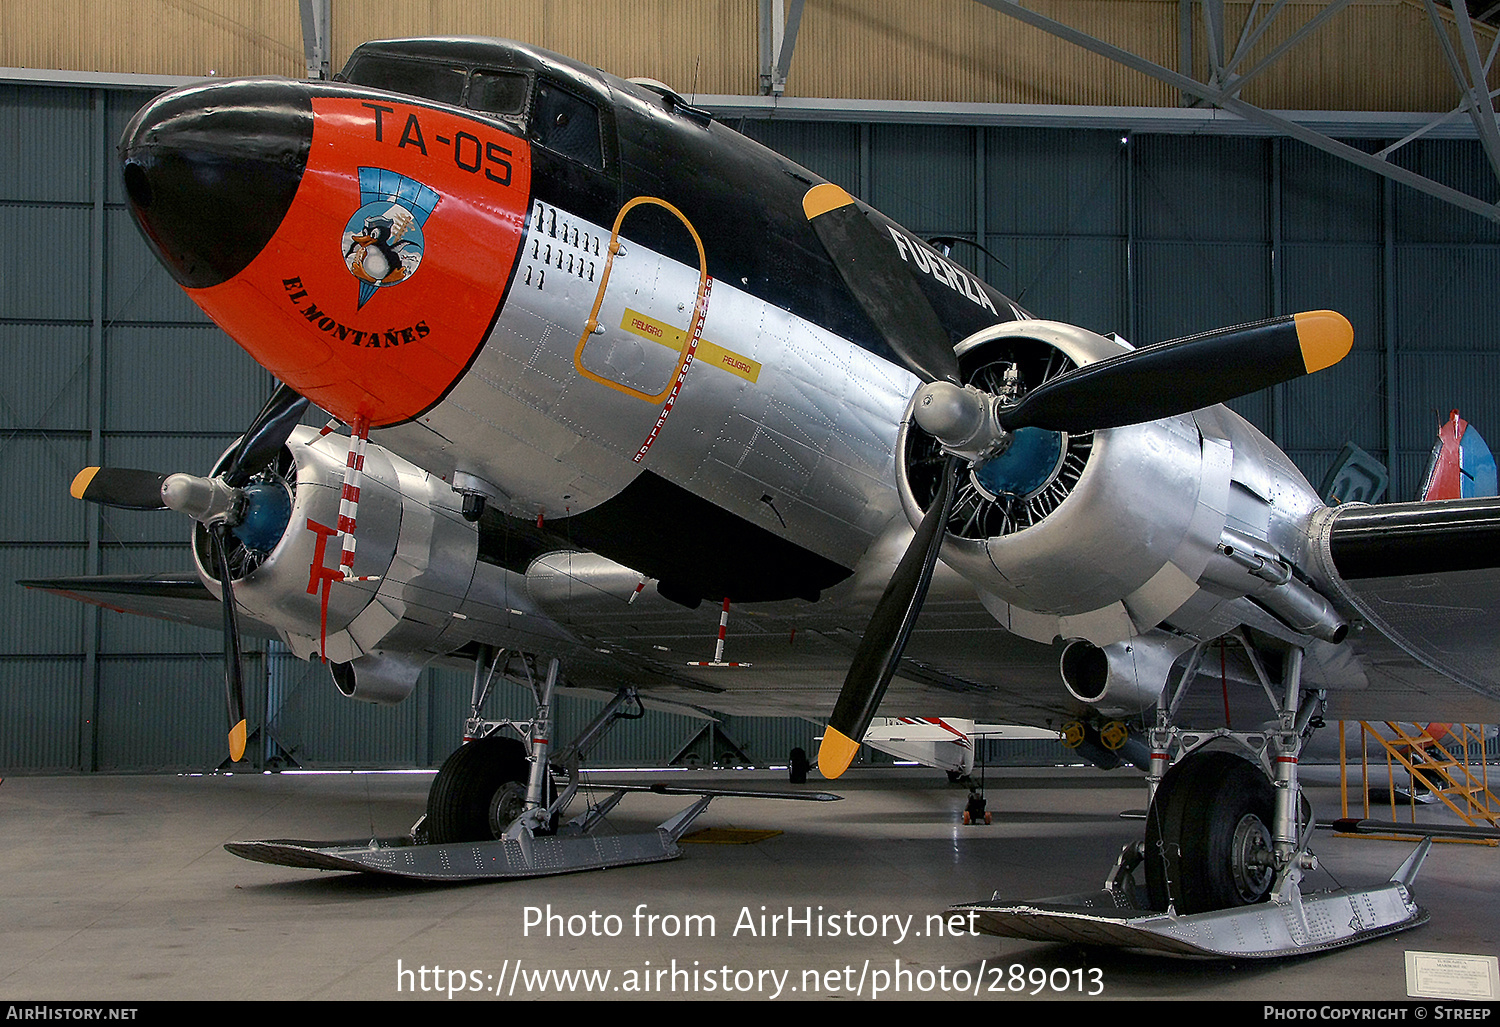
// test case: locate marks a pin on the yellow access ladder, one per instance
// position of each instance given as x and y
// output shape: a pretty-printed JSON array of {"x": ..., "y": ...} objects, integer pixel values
[{"x": 1440, "y": 763}]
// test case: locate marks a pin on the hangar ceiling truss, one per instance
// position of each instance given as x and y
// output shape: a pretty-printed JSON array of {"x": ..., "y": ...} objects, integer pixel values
[
  {"x": 779, "y": 21},
  {"x": 1230, "y": 69},
  {"x": 1470, "y": 73}
]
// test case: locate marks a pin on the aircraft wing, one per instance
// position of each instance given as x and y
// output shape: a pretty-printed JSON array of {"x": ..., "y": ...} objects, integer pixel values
[
  {"x": 181, "y": 598},
  {"x": 1423, "y": 578},
  {"x": 960, "y": 659}
]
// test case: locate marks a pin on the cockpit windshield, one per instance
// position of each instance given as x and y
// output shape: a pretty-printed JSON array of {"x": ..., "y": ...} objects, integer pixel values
[
  {"x": 427, "y": 79},
  {"x": 498, "y": 92},
  {"x": 492, "y": 91}
]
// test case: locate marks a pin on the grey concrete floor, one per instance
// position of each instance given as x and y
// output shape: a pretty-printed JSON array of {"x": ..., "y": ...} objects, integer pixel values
[{"x": 117, "y": 888}]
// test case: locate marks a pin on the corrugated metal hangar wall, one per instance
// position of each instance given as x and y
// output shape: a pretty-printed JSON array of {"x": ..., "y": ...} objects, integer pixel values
[
  {"x": 1377, "y": 55},
  {"x": 1151, "y": 235}
]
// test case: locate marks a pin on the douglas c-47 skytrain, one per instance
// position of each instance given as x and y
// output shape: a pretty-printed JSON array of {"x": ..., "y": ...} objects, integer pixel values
[{"x": 603, "y": 373}]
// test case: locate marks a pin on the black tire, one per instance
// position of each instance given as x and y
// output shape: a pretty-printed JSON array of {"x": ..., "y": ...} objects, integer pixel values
[
  {"x": 1208, "y": 835},
  {"x": 458, "y": 805}
]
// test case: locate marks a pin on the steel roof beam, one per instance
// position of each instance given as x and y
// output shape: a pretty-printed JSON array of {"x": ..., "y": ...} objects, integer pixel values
[
  {"x": 1213, "y": 26},
  {"x": 1435, "y": 123},
  {"x": 1248, "y": 36},
  {"x": 1315, "y": 23},
  {"x": 778, "y": 40},
  {"x": 1473, "y": 85},
  {"x": 1228, "y": 102},
  {"x": 317, "y": 30},
  {"x": 1455, "y": 112}
]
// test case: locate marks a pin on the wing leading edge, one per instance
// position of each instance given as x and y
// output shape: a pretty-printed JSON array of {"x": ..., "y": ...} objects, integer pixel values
[
  {"x": 1424, "y": 576},
  {"x": 182, "y": 598}
]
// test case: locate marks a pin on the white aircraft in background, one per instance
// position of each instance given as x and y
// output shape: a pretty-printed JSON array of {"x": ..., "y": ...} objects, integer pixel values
[{"x": 946, "y": 743}]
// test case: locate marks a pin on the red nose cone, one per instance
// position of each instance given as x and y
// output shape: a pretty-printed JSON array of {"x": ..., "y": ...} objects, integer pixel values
[{"x": 356, "y": 245}]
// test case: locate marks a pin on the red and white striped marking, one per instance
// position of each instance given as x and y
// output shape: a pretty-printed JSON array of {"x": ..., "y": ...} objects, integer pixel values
[
  {"x": 354, "y": 469},
  {"x": 959, "y": 738},
  {"x": 699, "y": 313},
  {"x": 321, "y": 578},
  {"x": 718, "y": 660}
]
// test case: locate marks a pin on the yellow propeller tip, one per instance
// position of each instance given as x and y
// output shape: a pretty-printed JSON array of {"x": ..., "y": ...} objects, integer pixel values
[
  {"x": 1325, "y": 337},
  {"x": 820, "y": 199},
  {"x": 81, "y": 481},
  {"x": 237, "y": 742},
  {"x": 836, "y": 753}
]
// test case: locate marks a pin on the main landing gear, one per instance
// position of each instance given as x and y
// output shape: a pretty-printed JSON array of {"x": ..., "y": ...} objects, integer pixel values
[
  {"x": 1208, "y": 835},
  {"x": 1226, "y": 847},
  {"x": 500, "y": 782},
  {"x": 495, "y": 808}
]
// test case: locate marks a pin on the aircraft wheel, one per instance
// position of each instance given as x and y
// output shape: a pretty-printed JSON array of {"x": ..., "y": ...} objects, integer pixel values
[
  {"x": 508, "y": 802},
  {"x": 471, "y": 783},
  {"x": 1208, "y": 835}
]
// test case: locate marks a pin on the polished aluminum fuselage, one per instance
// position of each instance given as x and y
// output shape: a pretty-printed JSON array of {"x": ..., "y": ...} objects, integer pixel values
[{"x": 674, "y": 385}]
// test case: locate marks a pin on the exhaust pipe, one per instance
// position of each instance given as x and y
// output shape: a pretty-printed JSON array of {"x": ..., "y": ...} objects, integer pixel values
[{"x": 1120, "y": 679}]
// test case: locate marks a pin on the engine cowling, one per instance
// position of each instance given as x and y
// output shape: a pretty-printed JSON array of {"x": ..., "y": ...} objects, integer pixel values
[
  {"x": 1097, "y": 536},
  {"x": 430, "y": 595},
  {"x": 1195, "y": 520}
]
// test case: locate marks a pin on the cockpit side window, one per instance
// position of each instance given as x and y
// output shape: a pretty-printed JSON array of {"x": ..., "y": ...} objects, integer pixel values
[
  {"x": 431, "y": 81},
  {"x": 498, "y": 92},
  {"x": 567, "y": 124},
  {"x": 558, "y": 118}
]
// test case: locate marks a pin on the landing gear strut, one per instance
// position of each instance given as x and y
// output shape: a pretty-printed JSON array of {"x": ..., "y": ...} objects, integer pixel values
[
  {"x": 498, "y": 786},
  {"x": 494, "y": 783},
  {"x": 1220, "y": 833},
  {"x": 495, "y": 808},
  {"x": 1225, "y": 850}
]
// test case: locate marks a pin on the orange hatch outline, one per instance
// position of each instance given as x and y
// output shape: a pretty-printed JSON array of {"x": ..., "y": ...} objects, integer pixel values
[{"x": 700, "y": 305}]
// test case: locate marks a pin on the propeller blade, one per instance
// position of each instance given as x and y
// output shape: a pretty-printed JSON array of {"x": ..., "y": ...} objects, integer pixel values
[
  {"x": 120, "y": 487},
  {"x": 881, "y": 282},
  {"x": 266, "y": 435},
  {"x": 234, "y": 678},
  {"x": 879, "y": 652},
  {"x": 213, "y": 501},
  {"x": 1184, "y": 374}
]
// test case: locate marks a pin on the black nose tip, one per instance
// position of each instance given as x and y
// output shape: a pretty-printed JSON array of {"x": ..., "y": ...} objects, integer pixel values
[
  {"x": 137, "y": 185},
  {"x": 210, "y": 172}
]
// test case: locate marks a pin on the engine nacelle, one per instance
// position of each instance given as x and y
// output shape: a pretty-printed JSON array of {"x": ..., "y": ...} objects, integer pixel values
[
  {"x": 1105, "y": 535},
  {"x": 429, "y": 596},
  {"x": 1096, "y": 536}
]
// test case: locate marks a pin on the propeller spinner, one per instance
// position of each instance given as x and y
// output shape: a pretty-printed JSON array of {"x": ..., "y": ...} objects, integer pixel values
[
  {"x": 229, "y": 503},
  {"x": 978, "y": 428}
]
